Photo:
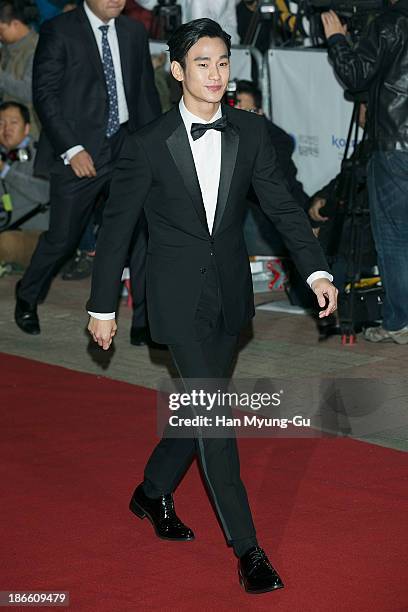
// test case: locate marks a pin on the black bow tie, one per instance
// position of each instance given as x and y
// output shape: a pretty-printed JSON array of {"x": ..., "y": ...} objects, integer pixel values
[{"x": 199, "y": 129}]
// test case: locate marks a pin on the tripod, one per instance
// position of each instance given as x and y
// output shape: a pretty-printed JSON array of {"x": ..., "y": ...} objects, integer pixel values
[
  {"x": 6, "y": 211},
  {"x": 260, "y": 19},
  {"x": 5, "y": 225},
  {"x": 352, "y": 229}
]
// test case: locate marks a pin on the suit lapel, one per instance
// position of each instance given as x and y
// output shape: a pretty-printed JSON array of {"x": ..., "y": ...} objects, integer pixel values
[
  {"x": 180, "y": 151},
  {"x": 124, "y": 52},
  {"x": 229, "y": 151},
  {"x": 88, "y": 39}
]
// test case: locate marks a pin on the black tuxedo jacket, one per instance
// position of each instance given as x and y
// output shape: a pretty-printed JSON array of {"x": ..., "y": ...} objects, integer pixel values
[
  {"x": 69, "y": 89},
  {"x": 157, "y": 172}
]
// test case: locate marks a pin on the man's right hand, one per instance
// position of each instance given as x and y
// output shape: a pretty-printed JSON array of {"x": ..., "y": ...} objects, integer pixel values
[
  {"x": 314, "y": 213},
  {"x": 102, "y": 331},
  {"x": 332, "y": 24},
  {"x": 82, "y": 164}
]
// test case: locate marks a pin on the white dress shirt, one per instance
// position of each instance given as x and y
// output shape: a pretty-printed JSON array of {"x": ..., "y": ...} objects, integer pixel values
[
  {"x": 207, "y": 160},
  {"x": 120, "y": 89}
]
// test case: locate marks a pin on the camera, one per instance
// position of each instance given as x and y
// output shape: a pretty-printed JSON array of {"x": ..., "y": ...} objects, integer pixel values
[
  {"x": 167, "y": 18},
  {"x": 266, "y": 9},
  {"x": 355, "y": 13}
]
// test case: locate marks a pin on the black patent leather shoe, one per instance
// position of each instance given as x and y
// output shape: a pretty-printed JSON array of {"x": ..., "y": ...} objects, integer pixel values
[
  {"x": 256, "y": 574},
  {"x": 26, "y": 316},
  {"x": 161, "y": 514},
  {"x": 328, "y": 327}
]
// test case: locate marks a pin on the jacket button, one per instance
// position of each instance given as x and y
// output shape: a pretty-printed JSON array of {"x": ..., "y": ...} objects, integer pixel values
[
  {"x": 212, "y": 253},
  {"x": 203, "y": 270}
]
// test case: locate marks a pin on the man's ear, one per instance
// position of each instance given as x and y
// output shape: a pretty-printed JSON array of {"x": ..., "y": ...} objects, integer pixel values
[
  {"x": 27, "y": 129},
  {"x": 177, "y": 71}
]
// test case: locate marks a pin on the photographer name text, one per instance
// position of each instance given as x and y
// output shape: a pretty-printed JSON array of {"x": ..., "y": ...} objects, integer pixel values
[{"x": 244, "y": 421}]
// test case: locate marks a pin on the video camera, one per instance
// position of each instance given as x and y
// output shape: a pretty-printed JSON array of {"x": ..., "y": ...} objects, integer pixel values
[{"x": 354, "y": 13}]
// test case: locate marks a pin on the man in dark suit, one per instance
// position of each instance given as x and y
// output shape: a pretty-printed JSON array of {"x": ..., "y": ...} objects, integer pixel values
[
  {"x": 190, "y": 170},
  {"x": 92, "y": 84}
]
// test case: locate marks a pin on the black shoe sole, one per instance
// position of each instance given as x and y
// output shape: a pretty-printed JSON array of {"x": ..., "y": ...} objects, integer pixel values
[
  {"x": 139, "y": 512},
  {"x": 258, "y": 591}
]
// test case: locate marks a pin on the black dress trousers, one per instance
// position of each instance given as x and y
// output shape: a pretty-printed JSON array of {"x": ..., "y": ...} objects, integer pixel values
[{"x": 208, "y": 356}]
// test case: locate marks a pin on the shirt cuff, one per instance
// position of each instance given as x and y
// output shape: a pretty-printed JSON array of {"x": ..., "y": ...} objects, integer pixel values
[
  {"x": 319, "y": 274},
  {"x": 68, "y": 155},
  {"x": 102, "y": 316}
]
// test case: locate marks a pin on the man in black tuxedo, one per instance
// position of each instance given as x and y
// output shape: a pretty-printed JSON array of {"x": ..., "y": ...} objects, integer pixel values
[
  {"x": 190, "y": 171},
  {"x": 92, "y": 84}
]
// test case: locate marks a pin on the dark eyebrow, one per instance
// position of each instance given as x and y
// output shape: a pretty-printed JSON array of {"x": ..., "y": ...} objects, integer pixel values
[{"x": 200, "y": 59}]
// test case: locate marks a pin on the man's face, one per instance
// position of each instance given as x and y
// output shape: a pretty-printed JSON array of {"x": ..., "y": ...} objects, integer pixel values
[
  {"x": 12, "y": 128},
  {"x": 245, "y": 101},
  {"x": 207, "y": 70},
  {"x": 106, "y": 9},
  {"x": 8, "y": 33}
]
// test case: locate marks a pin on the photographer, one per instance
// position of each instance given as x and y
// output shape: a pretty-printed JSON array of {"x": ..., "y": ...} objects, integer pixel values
[
  {"x": 16, "y": 166},
  {"x": 19, "y": 42},
  {"x": 377, "y": 63}
]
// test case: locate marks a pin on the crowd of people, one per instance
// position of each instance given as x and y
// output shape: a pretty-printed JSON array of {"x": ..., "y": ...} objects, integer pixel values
[{"x": 19, "y": 22}]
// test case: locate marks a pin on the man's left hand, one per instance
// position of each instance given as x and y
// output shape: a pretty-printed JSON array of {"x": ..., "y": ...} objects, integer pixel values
[
  {"x": 323, "y": 289},
  {"x": 332, "y": 24}
]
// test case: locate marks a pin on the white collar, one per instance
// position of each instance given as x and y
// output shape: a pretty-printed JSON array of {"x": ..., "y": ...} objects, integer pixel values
[
  {"x": 95, "y": 21},
  {"x": 189, "y": 118}
]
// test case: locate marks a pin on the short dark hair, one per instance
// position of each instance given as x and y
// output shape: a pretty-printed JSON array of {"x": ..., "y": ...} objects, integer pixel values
[
  {"x": 189, "y": 33},
  {"x": 24, "y": 112},
  {"x": 25, "y": 11},
  {"x": 250, "y": 88}
]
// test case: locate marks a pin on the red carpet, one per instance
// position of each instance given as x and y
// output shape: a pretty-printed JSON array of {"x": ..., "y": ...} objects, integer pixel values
[{"x": 332, "y": 514}]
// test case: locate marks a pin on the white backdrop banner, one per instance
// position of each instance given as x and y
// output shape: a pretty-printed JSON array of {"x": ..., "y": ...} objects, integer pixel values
[
  {"x": 308, "y": 102},
  {"x": 240, "y": 59}
]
